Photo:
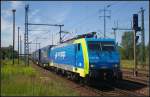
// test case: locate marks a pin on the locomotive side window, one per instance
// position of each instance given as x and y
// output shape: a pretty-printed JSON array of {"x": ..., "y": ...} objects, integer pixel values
[{"x": 78, "y": 47}]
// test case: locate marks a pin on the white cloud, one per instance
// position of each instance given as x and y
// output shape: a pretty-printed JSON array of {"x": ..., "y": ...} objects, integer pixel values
[
  {"x": 6, "y": 13},
  {"x": 5, "y": 25},
  {"x": 16, "y": 4},
  {"x": 37, "y": 20},
  {"x": 62, "y": 15},
  {"x": 33, "y": 13},
  {"x": 7, "y": 32},
  {"x": 6, "y": 28}
]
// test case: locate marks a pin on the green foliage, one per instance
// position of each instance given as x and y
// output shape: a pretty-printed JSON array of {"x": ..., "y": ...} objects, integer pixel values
[
  {"x": 130, "y": 64},
  {"x": 122, "y": 52},
  {"x": 127, "y": 50},
  {"x": 147, "y": 54},
  {"x": 127, "y": 64},
  {"x": 13, "y": 70},
  {"x": 127, "y": 45},
  {"x": 6, "y": 52}
]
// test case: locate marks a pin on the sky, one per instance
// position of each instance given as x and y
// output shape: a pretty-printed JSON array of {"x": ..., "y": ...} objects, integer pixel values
[{"x": 78, "y": 17}]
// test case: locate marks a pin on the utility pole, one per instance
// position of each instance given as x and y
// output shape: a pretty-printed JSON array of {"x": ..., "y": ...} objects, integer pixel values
[
  {"x": 13, "y": 33},
  {"x": 0, "y": 50},
  {"x": 18, "y": 44},
  {"x": 60, "y": 40},
  {"x": 149, "y": 50},
  {"x": 135, "y": 58},
  {"x": 142, "y": 34},
  {"x": 104, "y": 23},
  {"x": 52, "y": 39},
  {"x": 104, "y": 16},
  {"x": 36, "y": 43},
  {"x": 30, "y": 49},
  {"x": 114, "y": 30},
  {"x": 135, "y": 28},
  {"x": 60, "y": 33},
  {"x": 26, "y": 45},
  {"x": 39, "y": 46}
]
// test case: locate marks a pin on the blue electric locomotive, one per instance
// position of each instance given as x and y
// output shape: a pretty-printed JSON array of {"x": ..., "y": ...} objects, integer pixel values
[
  {"x": 86, "y": 57},
  {"x": 89, "y": 57}
]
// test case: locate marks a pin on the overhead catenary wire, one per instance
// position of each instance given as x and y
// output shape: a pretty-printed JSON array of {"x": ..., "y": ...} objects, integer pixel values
[
  {"x": 83, "y": 5},
  {"x": 84, "y": 20}
]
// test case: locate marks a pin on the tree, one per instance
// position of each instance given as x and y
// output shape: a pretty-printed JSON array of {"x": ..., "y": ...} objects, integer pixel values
[
  {"x": 7, "y": 52},
  {"x": 122, "y": 52},
  {"x": 147, "y": 53},
  {"x": 127, "y": 45}
]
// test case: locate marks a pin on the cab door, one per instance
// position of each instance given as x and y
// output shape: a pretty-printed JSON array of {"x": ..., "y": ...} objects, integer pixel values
[{"x": 79, "y": 56}]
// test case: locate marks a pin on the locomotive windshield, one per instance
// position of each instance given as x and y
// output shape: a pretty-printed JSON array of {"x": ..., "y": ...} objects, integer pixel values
[{"x": 101, "y": 46}]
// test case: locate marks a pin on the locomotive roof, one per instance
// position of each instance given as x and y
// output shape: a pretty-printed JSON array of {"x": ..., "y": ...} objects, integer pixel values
[
  {"x": 71, "y": 41},
  {"x": 87, "y": 39},
  {"x": 48, "y": 46},
  {"x": 99, "y": 39}
]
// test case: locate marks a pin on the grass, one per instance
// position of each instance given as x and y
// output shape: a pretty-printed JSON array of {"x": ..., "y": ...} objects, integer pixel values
[
  {"x": 127, "y": 63},
  {"x": 18, "y": 80},
  {"x": 130, "y": 64}
]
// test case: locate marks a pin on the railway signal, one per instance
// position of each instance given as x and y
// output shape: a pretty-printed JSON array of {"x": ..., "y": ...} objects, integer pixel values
[
  {"x": 136, "y": 28},
  {"x": 137, "y": 38},
  {"x": 135, "y": 21}
]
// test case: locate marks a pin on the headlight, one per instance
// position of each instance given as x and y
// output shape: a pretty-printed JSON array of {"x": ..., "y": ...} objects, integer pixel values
[
  {"x": 92, "y": 66},
  {"x": 116, "y": 65}
]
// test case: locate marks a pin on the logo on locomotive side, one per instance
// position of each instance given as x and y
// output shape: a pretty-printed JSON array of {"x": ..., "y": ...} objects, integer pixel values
[{"x": 60, "y": 54}]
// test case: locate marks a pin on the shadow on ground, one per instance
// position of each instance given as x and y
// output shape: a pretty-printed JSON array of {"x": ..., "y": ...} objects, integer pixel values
[{"x": 123, "y": 84}]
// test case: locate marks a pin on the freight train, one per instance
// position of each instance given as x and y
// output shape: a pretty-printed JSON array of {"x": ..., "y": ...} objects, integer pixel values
[{"x": 82, "y": 57}]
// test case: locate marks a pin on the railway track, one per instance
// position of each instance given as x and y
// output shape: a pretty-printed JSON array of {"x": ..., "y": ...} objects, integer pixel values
[
  {"x": 114, "y": 91},
  {"x": 142, "y": 77},
  {"x": 127, "y": 93},
  {"x": 137, "y": 79},
  {"x": 141, "y": 73}
]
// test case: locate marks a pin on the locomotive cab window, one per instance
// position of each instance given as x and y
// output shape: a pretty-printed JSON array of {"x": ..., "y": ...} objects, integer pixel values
[
  {"x": 108, "y": 46},
  {"x": 101, "y": 46},
  {"x": 94, "y": 46}
]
